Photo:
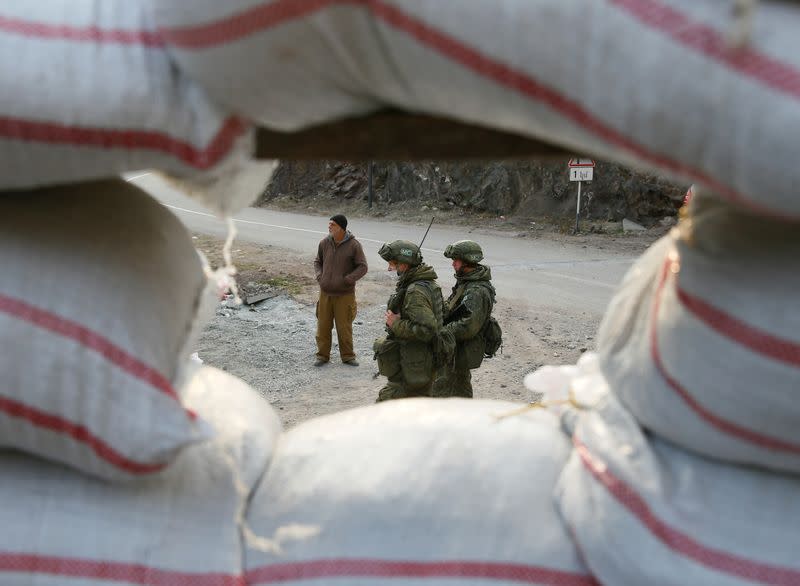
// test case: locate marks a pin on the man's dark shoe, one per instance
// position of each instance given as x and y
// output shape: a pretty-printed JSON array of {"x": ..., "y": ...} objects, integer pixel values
[
  {"x": 351, "y": 362},
  {"x": 320, "y": 362}
]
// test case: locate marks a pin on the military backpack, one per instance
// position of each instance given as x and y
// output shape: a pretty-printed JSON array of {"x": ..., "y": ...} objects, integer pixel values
[
  {"x": 491, "y": 333},
  {"x": 492, "y": 336}
]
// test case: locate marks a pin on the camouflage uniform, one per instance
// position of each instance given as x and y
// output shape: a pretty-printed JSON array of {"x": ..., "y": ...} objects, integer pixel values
[
  {"x": 466, "y": 311},
  {"x": 418, "y": 301}
]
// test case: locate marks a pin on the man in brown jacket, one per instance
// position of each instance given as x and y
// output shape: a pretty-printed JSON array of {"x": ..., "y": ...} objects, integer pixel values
[{"x": 339, "y": 264}]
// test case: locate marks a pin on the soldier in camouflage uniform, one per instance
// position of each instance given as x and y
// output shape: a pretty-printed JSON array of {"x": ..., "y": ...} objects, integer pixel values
[
  {"x": 466, "y": 312},
  {"x": 413, "y": 318}
]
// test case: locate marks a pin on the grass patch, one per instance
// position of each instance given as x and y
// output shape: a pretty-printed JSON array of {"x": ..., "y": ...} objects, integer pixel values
[{"x": 289, "y": 283}]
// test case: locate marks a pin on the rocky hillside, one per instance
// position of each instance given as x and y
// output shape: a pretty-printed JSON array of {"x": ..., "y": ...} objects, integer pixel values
[{"x": 520, "y": 188}]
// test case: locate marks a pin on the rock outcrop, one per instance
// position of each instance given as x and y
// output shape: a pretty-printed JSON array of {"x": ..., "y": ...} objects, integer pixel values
[{"x": 518, "y": 188}]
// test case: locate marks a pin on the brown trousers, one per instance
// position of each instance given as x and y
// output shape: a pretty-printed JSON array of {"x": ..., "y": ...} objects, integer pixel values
[{"x": 339, "y": 310}]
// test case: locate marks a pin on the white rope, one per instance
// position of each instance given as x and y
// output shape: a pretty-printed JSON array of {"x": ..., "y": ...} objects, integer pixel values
[
  {"x": 230, "y": 269},
  {"x": 224, "y": 276},
  {"x": 292, "y": 532}
]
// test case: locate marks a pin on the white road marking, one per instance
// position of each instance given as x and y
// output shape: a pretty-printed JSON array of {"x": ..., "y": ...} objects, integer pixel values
[
  {"x": 188, "y": 211},
  {"x": 578, "y": 279}
]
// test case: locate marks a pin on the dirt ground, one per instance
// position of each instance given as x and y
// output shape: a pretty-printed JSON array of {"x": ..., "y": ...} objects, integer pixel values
[{"x": 271, "y": 344}]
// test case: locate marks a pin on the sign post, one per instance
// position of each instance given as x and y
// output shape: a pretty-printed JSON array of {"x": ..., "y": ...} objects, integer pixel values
[
  {"x": 371, "y": 167},
  {"x": 580, "y": 170}
]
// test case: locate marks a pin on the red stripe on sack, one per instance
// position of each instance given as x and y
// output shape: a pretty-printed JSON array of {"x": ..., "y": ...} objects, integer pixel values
[
  {"x": 713, "y": 419},
  {"x": 754, "y": 339},
  {"x": 679, "y": 541},
  {"x": 372, "y": 568},
  {"x": 702, "y": 38},
  {"x": 262, "y": 17},
  {"x": 33, "y": 29},
  {"x": 11, "y": 562},
  {"x": 107, "y": 138},
  {"x": 709, "y": 42},
  {"x": 247, "y": 22},
  {"x": 78, "y": 433},
  {"x": 74, "y": 331}
]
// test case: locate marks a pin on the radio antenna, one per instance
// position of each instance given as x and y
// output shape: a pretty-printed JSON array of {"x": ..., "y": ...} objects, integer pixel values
[{"x": 426, "y": 233}]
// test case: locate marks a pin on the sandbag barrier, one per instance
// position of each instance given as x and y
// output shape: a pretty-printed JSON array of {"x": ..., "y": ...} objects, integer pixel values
[
  {"x": 159, "y": 87},
  {"x": 701, "y": 342},
  {"x": 684, "y": 443}
]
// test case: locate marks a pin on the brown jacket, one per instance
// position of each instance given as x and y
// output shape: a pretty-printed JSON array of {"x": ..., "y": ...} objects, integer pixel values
[{"x": 339, "y": 266}]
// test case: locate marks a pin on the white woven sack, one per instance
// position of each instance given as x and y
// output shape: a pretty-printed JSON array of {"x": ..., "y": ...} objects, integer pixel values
[
  {"x": 589, "y": 75},
  {"x": 180, "y": 528},
  {"x": 422, "y": 491},
  {"x": 560, "y": 388},
  {"x": 643, "y": 511},
  {"x": 702, "y": 342},
  {"x": 89, "y": 91},
  {"x": 101, "y": 296}
]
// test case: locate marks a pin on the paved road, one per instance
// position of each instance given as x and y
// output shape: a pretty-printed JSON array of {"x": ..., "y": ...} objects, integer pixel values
[{"x": 533, "y": 273}]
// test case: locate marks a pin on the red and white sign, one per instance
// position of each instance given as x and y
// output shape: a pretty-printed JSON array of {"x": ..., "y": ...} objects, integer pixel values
[
  {"x": 581, "y": 169},
  {"x": 580, "y": 163}
]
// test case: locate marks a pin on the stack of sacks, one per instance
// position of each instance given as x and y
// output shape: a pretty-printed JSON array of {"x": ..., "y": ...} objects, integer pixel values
[
  {"x": 416, "y": 491},
  {"x": 120, "y": 462},
  {"x": 685, "y": 464},
  {"x": 702, "y": 342},
  {"x": 148, "y": 83}
]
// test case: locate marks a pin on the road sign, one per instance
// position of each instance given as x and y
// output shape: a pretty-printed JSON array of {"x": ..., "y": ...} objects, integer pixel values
[
  {"x": 581, "y": 174},
  {"x": 581, "y": 163},
  {"x": 580, "y": 170}
]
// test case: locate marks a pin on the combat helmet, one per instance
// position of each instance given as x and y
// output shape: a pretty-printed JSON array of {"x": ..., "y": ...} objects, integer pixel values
[
  {"x": 401, "y": 251},
  {"x": 467, "y": 250}
]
